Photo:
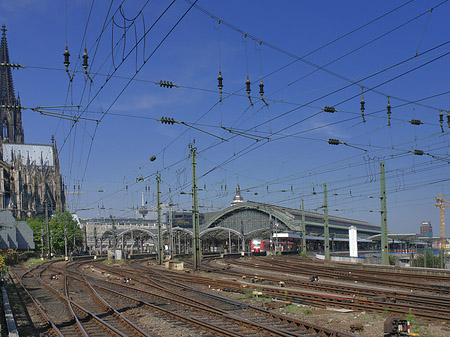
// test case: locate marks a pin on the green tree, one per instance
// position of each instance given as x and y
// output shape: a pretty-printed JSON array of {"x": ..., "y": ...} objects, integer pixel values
[
  {"x": 57, "y": 223},
  {"x": 35, "y": 224},
  {"x": 433, "y": 260}
]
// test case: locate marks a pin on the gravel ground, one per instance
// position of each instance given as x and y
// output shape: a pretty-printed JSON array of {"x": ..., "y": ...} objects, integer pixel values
[{"x": 371, "y": 323}]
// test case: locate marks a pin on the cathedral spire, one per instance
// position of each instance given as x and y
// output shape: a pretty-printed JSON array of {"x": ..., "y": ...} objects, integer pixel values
[
  {"x": 7, "y": 96},
  {"x": 11, "y": 130}
]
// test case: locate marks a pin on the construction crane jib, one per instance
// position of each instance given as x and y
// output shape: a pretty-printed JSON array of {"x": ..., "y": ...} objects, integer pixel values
[{"x": 441, "y": 204}]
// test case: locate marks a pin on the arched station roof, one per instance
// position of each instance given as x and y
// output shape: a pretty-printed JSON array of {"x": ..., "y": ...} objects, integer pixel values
[
  {"x": 252, "y": 216},
  {"x": 136, "y": 232},
  {"x": 181, "y": 229},
  {"x": 218, "y": 233}
]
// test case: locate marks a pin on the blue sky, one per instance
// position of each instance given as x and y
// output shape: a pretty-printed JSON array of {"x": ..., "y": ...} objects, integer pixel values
[{"x": 310, "y": 54}]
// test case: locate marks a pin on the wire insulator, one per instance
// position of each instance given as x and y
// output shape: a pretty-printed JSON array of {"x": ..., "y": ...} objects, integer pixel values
[
  {"x": 166, "y": 84},
  {"x": 248, "y": 89},
  {"x": 418, "y": 152},
  {"x": 441, "y": 120},
  {"x": 415, "y": 122},
  {"x": 363, "y": 103},
  {"x": 220, "y": 85},
  {"x": 261, "y": 88},
  {"x": 448, "y": 119},
  {"x": 167, "y": 120},
  {"x": 247, "y": 84},
  {"x": 66, "y": 58},
  {"x": 85, "y": 60},
  {"x": 332, "y": 141},
  {"x": 389, "y": 112},
  {"x": 261, "y": 91},
  {"x": 329, "y": 109},
  {"x": 67, "y": 62}
]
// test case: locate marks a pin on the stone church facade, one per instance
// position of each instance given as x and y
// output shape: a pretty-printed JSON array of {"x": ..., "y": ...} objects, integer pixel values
[{"x": 30, "y": 176}]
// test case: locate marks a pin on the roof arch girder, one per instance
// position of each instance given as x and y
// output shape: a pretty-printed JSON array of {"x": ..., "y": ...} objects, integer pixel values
[
  {"x": 220, "y": 229},
  {"x": 106, "y": 234},
  {"x": 257, "y": 233},
  {"x": 138, "y": 230},
  {"x": 183, "y": 230},
  {"x": 277, "y": 215}
]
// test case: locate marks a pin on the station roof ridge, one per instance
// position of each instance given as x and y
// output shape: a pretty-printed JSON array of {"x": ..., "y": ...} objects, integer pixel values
[{"x": 298, "y": 212}]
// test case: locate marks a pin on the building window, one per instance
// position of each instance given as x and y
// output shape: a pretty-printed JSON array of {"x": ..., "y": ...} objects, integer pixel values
[{"x": 5, "y": 133}]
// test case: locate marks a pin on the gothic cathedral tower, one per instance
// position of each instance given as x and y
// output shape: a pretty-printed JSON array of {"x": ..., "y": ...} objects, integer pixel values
[
  {"x": 11, "y": 130},
  {"x": 30, "y": 180}
]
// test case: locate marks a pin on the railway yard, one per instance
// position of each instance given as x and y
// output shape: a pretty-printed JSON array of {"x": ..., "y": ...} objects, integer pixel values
[{"x": 245, "y": 296}]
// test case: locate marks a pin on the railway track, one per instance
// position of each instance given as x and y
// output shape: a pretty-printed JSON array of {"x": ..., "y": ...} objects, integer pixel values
[
  {"x": 437, "y": 284},
  {"x": 63, "y": 314},
  {"x": 434, "y": 307},
  {"x": 231, "y": 314},
  {"x": 82, "y": 302},
  {"x": 344, "y": 289}
]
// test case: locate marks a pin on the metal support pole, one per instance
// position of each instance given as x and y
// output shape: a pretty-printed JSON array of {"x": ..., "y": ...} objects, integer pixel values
[
  {"x": 276, "y": 237},
  {"x": 326, "y": 229},
  {"x": 51, "y": 243},
  {"x": 424, "y": 257},
  {"x": 243, "y": 237},
  {"x": 42, "y": 242},
  {"x": 95, "y": 238},
  {"x": 47, "y": 228},
  {"x": 132, "y": 242},
  {"x": 114, "y": 232},
  {"x": 65, "y": 242},
  {"x": 85, "y": 246},
  {"x": 384, "y": 234},
  {"x": 170, "y": 231},
  {"x": 158, "y": 200},
  {"x": 303, "y": 229},
  {"x": 195, "y": 218}
]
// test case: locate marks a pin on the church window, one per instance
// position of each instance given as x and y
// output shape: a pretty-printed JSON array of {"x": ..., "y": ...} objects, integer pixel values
[{"x": 5, "y": 133}]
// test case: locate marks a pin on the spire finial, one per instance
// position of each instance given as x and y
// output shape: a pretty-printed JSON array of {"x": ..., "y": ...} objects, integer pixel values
[{"x": 4, "y": 30}]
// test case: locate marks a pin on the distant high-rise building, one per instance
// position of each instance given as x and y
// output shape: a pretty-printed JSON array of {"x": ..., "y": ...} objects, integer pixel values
[{"x": 426, "y": 229}]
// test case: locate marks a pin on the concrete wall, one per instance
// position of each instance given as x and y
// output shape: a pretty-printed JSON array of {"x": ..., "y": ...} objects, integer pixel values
[{"x": 14, "y": 234}]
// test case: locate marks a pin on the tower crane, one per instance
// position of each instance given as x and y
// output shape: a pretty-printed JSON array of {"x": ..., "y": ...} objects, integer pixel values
[{"x": 441, "y": 204}]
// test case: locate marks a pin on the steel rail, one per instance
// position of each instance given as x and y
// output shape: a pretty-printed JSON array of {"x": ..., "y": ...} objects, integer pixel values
[
  {"x": 40, "y": 307},
  {"x": 107, "y": 305},
  {"x": 71, "y": 303},
  {"x": 308, "y": 326},
  {"x": 218, "y": 312},
  {"x": 324, "y": 300},
  {"x": 353, "y": 276},
  {"x": 328, "y": 287},
  {"x": 171, "y": 313}
]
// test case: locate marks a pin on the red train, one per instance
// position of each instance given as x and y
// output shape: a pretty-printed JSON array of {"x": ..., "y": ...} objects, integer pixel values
[{"x": 260, "y": 246}]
